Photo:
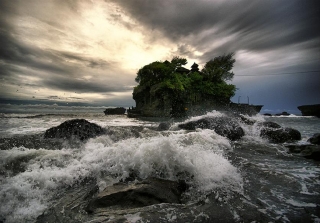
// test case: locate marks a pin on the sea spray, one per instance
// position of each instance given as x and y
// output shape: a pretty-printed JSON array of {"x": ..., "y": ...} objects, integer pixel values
[{"x": 196, "y": 157}]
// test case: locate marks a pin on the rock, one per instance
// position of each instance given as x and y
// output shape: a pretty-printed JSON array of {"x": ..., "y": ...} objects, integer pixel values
[
  {"x": 315, "y": 139},
  {"x": 76, "y": 128},
  {"x": 246, "y": 120},
  {"x": 310, "y": 110},
  {"x": 70, "y": 207},
  {"x": 280, "y": 135},
  {"x": 283, "y": 114},
  {"x": 307, "y": 151},
  {"x": 271, "y": 125},
  {"x": 221, "y": 125},
  {"x": 115, "y": 111},
  {"x": 163, "y": 126},
  {"x": 267, "y": 114},
  {"x": 133, "y": 195}
]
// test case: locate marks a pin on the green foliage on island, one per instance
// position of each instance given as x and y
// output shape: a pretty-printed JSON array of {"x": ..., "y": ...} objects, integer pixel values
[{"x": 171, "y": 78}]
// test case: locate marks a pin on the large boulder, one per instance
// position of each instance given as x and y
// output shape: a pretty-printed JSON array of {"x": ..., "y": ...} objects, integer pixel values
[
  {"x": 75, "y": 128},
  {"x": 223, "y": 126},
  {"x": 315, "y": 139},
  {"x": 138, "y": 194},
  {"x": 280, "y": 135}
]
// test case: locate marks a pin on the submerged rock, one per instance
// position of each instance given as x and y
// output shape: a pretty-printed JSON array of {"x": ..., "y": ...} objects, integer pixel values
[
  {"x": 280, "y": 135},
  {"x": 163, "y": 126},
  {"x": 315, "y": 139},
  {"x": 138, "y": 194},
  {"x": 76, "y": 128},
  {"x": 307, "y": 151},
  {"x": 221, "y": 125}
]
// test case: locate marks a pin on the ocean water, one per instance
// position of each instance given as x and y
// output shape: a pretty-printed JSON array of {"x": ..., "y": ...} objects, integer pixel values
[{"x": 34, "y": 173}]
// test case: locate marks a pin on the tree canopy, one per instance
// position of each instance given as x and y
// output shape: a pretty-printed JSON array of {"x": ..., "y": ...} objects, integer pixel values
[{"x": 170, "y": 77}]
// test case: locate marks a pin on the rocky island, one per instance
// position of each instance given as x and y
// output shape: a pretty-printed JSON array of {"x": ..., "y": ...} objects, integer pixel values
[
  {"x": 310, "y": 110},
  {"x": 167, "y": 89},
  {"x": 115, "y": 111}
]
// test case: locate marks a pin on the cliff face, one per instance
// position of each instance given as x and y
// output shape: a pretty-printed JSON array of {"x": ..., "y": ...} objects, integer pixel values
[
  {"x": 310, "y": 110},
  {"x": 149, "y": 105}
]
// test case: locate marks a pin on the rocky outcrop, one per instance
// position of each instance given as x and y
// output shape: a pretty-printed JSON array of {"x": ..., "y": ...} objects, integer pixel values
[
  {"x": 245, "y": 108},
  {"x": 282, "y": 114},
  {"x": 150, "y": 200},
  {"x": 76, "y": 128},
  {"x": 280, "y": 135},
  {"x": 137, "y": 194},
  {"x": 315, "y": 139},
  {"x": 310, "y": 110},
  {"x": 115, "y": 111},
  {"x": 307, "y": 151},
  {"x": 271, "y": 125},
  {"x": 223, "y": 126}
]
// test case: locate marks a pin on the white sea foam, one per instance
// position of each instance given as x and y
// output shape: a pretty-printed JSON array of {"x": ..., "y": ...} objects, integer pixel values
[
  {"x": 300, "y": 203},
  {"x": 198, "y": 157}
]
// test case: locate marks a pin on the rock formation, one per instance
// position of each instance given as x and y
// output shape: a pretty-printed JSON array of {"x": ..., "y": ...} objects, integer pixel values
[
  {"x": 310, "y": 110},
  {"x": 276, "y": 134},
  {"x": 137, "y": 194},
  {"x": 77, "y": 128},
  {"x": 223, "y": 126}
]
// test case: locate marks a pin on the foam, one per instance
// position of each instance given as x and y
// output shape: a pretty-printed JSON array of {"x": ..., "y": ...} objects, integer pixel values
[{"x": 198, "y": 157}]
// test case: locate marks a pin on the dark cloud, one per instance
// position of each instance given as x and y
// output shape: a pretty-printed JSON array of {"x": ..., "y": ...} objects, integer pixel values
[
  {"x": 252, "y": 25},
  {"x": 65, "y": 83},
  {"x": 282, "y": 38}
]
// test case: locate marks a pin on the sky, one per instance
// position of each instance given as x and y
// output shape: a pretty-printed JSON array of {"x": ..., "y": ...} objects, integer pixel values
[{"x": 82, "y": 52}]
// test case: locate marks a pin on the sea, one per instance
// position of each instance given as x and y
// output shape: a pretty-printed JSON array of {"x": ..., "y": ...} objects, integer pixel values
[{"x": 34, "y": 173}]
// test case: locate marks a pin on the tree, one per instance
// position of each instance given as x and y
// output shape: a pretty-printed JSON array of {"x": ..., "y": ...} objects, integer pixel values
[
  {"x": 219, "y": 69},
  {"x": 163, "y": 82},
  {"x": 178, "y": 61}
]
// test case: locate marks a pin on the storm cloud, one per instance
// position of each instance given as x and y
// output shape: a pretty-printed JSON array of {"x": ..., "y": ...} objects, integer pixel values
[{"x": 91, "y": 51}]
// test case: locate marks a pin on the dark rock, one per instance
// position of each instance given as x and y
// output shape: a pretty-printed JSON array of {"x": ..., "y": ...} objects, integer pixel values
[
  {"x": 267, "y": 114},
  {"x": 132, "y": 195},
  {"x": 246, "y": 120},
  {"x": 163, "y": 126},
  {"x": 115, "y": 111},
  {"x": 271, "y": 125},
  {"x": 315, "y": 139},
  {"x": 293, "y": 134},
  {"x": 280, "y": 135},
  {"x": 70, "y": 206},
  {"x": 282, "y": 114},
  {"x": 76, "y": 128},
  {"x": 310, "y": 110},
  {"x": 307, "y": 151},
  {"x": 221, "y": 125}
]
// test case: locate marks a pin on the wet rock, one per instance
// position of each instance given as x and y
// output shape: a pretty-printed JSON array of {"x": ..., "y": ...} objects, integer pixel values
[
  {"x": 138, "y": 194},
  {"x": 223, "y": 126},
  {"x": 76, "y": 128},
  {"x": 271, "y": 125},
  {"x": 307, "y": 151},
  {"x": 70, "y": 207},
  {"x": 280, "y": 135},
  {"x": 315, "y": 139},
  {"x": 246, "y": 120},
  {"x": 163, "y": 126}
]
